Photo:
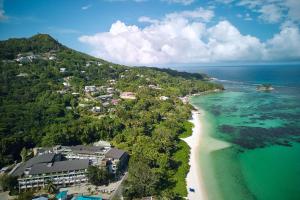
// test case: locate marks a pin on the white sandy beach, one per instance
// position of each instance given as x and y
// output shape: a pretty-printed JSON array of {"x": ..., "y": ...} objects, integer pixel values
[{"x": 194, "y": 178}]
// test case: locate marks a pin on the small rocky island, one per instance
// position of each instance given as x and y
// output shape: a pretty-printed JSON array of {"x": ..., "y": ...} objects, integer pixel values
[{"x": 264, "y": 87}]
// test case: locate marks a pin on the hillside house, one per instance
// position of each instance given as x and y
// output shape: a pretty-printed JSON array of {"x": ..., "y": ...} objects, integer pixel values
[
  {"x": 112, "y": 81},
  {"x": 127, "y": 95},
  {"x": 90, "y": 88},
  {"x": 23, "y": 59},
  {"x": 62, "y": 70},
  {"x": 110, "y": 90},
  {"x": 66, "y": 84},
  {"x": 115, "y": 102},
  {"x": 104, "y": 97},
  {"x": 154, "y": 87},
  {"x": 52, "y": 58},
  {"x": 22, "y": 75},
  {"x": 163, "y": 98},
  {"x": 96, "y": 109}
]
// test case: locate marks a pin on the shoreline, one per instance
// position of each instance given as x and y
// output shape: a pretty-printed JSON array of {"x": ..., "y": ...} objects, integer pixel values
[{"x": 194, "y": 177}]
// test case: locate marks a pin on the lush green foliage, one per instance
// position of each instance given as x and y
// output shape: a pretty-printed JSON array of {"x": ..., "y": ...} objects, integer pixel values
[
  {"x": 51, "y": 188},
  {"x": 27, "y": 195},
  {"x": 35, "y": 112},
  {"x": 38, "y": 43},
  {"x": 8, "y": 183},
  {"x": 181, "y": 157},
  {"x": 98, "y": 176},
  {"x": 188, "y": 127}
]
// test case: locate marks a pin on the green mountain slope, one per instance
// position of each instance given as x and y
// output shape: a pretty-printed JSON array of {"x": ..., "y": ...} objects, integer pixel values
[{"x": 43, "y": 103}]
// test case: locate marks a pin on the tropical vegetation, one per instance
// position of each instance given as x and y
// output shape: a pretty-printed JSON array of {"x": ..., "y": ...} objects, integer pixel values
[{"x": 43, "y": 105}]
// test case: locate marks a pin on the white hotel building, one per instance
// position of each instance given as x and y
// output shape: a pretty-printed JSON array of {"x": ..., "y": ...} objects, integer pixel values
[{"x": 40, "y": 170}]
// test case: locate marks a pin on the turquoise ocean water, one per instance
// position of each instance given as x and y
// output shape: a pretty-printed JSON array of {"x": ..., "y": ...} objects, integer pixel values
[{"x": 251, "y": 147}]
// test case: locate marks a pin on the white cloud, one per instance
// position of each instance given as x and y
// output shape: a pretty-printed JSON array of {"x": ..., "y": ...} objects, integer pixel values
[
  {"x": 246, "y": 17},
  {"x": 185, "y": 37},
  {"x": 137, "y": 1},
  {"x": 284, "y": 45},
  {"x": 2, "y": 12},
  {"x": 183, "y": 2},
  {"x": 226, "y": 43},
  {"x": 86, "y": 7},
  {"x": 270, "y": 13},
  {"x": 273, "y": 11},
  {"x": 250, "y": 3},
  {"x": 225, "y": 1},
  {"x": 239, "y": 15},
  {"x": 2, "y": 15},
  {"x": 293, "y": 9},
  {"x": 147, "y": 20},
  {"x": 199, "y": 13}
]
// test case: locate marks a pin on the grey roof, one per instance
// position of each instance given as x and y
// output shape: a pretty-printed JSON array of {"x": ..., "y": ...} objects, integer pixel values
[
  {"x": 60, "y": 166},
  {"x": 44, "y": 158},
  {"x": 114, "y": 153},
  {"x": 19, "y": 171},
  {"x": 83, "y": 149},
  {"x": 106, "y": 96}
]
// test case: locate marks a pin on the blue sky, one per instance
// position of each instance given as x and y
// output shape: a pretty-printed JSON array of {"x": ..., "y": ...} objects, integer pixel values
[{"x": 162, "y": 32}]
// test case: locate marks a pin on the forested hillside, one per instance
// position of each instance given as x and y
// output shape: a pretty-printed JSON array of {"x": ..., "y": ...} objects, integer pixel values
[{"x": 44, "y": 101}]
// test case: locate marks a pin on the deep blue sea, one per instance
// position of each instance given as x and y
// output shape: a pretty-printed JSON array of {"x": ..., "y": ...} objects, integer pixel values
[{"x": 288, "y": 75}]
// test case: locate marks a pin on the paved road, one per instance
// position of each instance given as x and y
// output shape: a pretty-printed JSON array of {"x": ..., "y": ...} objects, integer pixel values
[{"x": 118, "y": 189}]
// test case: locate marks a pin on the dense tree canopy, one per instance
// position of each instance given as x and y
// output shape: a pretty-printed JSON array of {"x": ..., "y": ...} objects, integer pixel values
[
  {"x": 98, "y": 176},
  {"x": 42, "y": 106}
]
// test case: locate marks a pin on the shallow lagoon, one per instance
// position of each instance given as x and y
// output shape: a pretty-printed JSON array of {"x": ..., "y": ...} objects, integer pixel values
[{"x": 261, "y": 158}]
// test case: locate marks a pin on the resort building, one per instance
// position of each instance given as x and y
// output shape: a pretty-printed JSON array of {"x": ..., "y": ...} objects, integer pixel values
[
  {"x": 38, "y": 171},
  {"x": 102, "y": 143},
  {"x": 95, "y": 154},
  {"x": 67, "y": 165},
  {"x": 116, "y": 159}
]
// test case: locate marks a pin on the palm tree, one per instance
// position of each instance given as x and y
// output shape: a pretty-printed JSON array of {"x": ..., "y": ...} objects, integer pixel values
[
  {"x": 23, "y": 154},
  {"x": 51, "y": 188},
  {"x": 89, "y": 190}
]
